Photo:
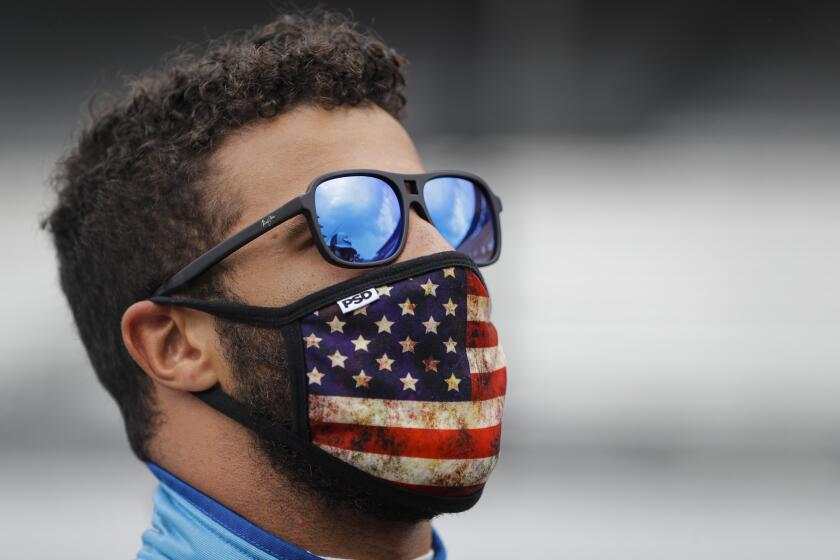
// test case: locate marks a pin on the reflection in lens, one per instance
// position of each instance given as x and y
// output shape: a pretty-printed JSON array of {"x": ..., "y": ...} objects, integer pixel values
[
  {"x": 359, "y": 217},
  {"x": 461, "y": 212}
]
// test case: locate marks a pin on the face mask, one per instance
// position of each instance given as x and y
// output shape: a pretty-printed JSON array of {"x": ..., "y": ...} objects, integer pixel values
[{"x": 398, "y": 380}]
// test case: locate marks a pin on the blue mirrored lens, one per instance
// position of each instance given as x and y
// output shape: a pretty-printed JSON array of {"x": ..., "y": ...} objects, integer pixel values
[
  {"x": 459, "y": 209},
  {"x": 360, "y": 218}
]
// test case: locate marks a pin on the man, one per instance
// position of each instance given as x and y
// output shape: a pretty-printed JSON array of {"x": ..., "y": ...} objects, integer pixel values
[{"x": 320, "y": 379}]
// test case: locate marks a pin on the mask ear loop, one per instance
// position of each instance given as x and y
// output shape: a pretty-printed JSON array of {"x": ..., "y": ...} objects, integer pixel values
[
  {"x": 298, "y": 423},
  {"x": 216, "y": 398}
]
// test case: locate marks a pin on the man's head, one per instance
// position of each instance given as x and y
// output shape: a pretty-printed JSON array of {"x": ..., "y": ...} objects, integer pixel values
[{"x": 193, "y": 154}]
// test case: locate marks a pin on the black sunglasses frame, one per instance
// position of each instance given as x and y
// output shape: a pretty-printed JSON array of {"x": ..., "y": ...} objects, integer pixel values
[{"x": 409, "y": 191}]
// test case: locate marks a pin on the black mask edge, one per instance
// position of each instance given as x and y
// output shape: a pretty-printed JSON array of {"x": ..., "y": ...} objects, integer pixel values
[{"x": 216, "y": 398}]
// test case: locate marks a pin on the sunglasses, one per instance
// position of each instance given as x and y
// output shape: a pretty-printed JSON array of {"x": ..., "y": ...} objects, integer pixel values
[{"x": 359, "y": 218}]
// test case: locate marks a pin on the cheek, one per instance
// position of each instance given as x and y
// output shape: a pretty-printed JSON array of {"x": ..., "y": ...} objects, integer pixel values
[
  {"x": 289, "y": 280},
  {"x": 222, "y": 365},
  {"x": 283, "y": 267}
]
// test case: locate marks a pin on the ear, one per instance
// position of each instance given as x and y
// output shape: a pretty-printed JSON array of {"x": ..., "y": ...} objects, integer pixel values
[{"x": 177, "y": 347}]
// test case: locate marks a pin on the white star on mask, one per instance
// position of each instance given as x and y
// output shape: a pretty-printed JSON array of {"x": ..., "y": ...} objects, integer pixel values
[
  {"x": 361, "y": 343},
  {"x": 453, "y": 383},
  {"x": 408, "y": 382},
  {"x": 315, "y": 376},
  {"x": 337, "y": 359},
  {"x": 336, "y": 325},
  {"x": 384, "y": 324},
  {"x": 429, "y": 288},
  {"x": 312, "y": 341},
  {"x": 431, "y": 325},
  {"x": 450, "y": 345}
]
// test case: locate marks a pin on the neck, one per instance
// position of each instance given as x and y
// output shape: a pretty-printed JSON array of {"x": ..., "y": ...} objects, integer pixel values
[{"x": 218, "y": 457}]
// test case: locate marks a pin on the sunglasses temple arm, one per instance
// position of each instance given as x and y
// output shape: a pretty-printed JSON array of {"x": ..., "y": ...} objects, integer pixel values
[{"x": 218, "y": 253}]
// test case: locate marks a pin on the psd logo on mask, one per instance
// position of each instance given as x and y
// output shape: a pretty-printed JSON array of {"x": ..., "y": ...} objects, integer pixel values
[{"x": 356, "y": 301}]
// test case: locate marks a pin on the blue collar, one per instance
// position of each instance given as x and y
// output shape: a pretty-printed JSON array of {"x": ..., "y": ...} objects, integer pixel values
[{"x": 188, "y": 524}]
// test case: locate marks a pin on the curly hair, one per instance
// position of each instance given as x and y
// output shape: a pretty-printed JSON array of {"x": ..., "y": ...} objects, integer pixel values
[{"x": 134, "y": 203}]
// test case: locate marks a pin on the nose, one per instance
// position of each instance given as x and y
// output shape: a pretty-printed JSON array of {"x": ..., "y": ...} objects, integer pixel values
[{"x": 423, "y": 238}]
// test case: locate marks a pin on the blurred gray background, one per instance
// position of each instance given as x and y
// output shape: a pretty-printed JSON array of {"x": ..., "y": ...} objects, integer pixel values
[{"x": 668, "y": 295}]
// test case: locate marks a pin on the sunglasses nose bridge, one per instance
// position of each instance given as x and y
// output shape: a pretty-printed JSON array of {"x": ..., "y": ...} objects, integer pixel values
[{"x": 415, "y": 201}]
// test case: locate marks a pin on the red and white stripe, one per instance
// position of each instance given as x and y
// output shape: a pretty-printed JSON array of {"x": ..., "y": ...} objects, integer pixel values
[
  {"x": 444, "y": 448},
  {"x": 488, "y": 373}
]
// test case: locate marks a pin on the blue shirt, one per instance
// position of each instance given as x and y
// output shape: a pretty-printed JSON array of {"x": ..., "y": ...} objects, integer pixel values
[{"x": 187, "y": 525}]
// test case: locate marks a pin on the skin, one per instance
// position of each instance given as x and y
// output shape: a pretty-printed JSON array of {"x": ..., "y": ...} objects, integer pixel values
[{"x": 259, "y": 168}]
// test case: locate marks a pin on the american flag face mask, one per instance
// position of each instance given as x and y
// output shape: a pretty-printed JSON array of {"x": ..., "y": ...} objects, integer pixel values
[{"x": 398, "y": 380}]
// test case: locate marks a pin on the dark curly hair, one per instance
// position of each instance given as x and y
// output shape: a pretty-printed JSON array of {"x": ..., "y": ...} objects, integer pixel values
[{"x": 134, "y": 203}]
